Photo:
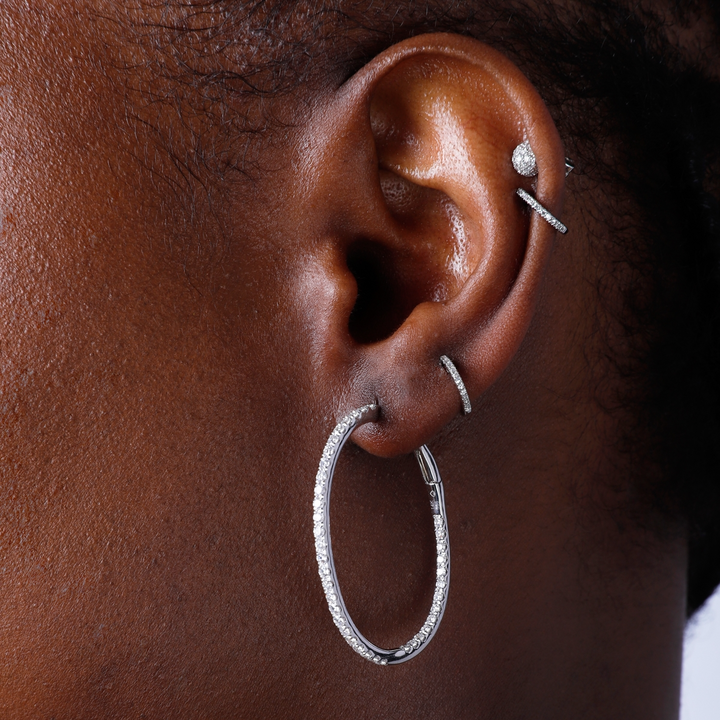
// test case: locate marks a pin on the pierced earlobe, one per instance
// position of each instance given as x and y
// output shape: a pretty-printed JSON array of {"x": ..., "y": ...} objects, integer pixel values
[{"x": 525, "y": 164}]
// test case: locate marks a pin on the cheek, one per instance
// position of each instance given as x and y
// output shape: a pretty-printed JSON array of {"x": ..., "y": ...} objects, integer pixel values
[
  {"x": 135, "y": 416},
  {"x": 140, "y": 388}
]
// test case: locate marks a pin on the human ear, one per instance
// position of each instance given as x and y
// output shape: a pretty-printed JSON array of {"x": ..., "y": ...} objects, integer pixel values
[{"x": 420, "y": 244}]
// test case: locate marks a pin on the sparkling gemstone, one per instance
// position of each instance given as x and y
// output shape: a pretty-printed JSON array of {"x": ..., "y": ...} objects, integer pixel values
[{"x": 523, "y": 160}]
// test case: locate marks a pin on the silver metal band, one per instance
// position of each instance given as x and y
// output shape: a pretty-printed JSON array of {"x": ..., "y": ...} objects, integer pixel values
[
  {"x": 323, "y": 546},
  {"x": 543, "y": 212},
  {"x": 448, "y": 364}
]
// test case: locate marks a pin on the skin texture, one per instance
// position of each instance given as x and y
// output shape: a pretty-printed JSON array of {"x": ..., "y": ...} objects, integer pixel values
[{"x": 175, "y": 353}]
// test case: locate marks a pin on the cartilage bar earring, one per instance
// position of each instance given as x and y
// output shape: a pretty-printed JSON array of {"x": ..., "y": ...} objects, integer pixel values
[
  {"x": 323, "y": 546},
  {"x": 524, "y": 162}
]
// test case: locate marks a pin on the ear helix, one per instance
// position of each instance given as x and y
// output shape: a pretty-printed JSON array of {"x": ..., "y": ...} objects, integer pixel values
[{"x": 524, "y": 162}]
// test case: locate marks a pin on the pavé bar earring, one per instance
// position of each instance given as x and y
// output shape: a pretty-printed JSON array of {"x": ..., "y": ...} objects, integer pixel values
[
  {"x": 524, "y": 162},
  {"x": 323, "y": 545}
]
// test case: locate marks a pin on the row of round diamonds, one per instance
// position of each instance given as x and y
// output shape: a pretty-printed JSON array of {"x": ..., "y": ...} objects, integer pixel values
[
  {"x": 320, "y": 529},
  {"x": 441, "y": 587},
  {"x": 448, "y": 364}
]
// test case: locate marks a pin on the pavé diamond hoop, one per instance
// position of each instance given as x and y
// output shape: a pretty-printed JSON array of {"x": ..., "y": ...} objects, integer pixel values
[
  {"x": 448, "y": 364},
  {"x": 525, "y": 164},
  {"x": 323, "y": 546}
]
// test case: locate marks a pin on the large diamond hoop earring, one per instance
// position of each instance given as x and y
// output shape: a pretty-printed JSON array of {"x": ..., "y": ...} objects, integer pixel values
[{"x": 323, "y": 546}]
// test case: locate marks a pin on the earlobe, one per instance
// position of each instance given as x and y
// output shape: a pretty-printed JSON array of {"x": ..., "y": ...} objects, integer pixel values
[{"x": 415, "y": 193}]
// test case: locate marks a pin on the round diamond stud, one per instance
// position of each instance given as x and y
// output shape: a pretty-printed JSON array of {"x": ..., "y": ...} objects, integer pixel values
[{"x": 523, "y": 160}]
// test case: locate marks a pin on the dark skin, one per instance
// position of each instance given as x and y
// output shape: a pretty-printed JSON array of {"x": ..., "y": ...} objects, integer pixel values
[{"x": 164, "y": 406}]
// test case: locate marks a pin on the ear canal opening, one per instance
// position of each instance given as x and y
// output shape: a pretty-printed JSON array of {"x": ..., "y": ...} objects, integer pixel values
[{"x": 379, "y": 308}]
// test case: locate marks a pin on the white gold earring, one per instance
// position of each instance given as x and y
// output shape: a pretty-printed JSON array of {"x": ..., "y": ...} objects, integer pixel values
[
  {"x": 525, "y": 164},
  {"x": 523, "y": 160},
  {"x": 448, "y": 364},
  {"x": 323, "y": 545}
]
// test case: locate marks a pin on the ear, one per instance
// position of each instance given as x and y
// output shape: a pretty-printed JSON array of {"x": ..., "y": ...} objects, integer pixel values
[{"x": 419, "y": 244}]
